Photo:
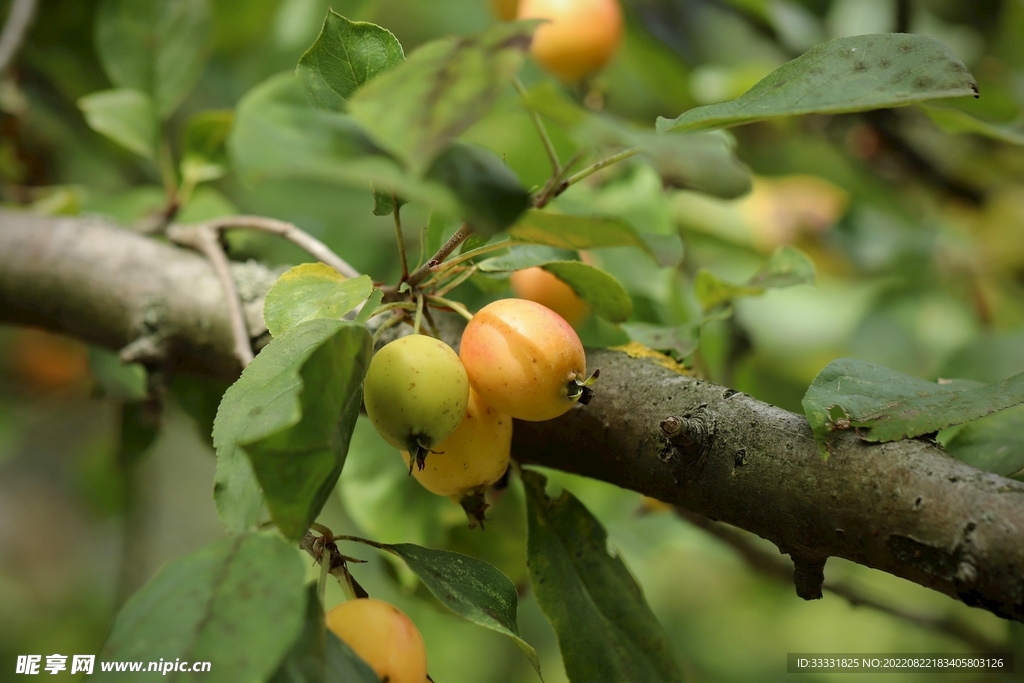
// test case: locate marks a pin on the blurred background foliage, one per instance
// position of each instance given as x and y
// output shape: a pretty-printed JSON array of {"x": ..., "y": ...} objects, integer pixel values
[{"x": 917, "y": 236}]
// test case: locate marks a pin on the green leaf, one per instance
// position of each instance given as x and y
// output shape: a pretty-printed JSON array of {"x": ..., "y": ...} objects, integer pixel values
[
  {"x": 277, "y": 135},
  {"x": 471, "y": 588},
  {"x": 569, "y": 231},
  {"x": 318, "y": 656},
  {"x": 606, "y": 295},
  {"x": 157, "y": 46},
  {"x": 887, "y": 405},
  {"x": 605, "y": 630},
  {"x": 857, "y": 73},
  {"x": 955, "y": 121},
  {"x": 237, "y": 603},
  {"x": 489, "y": 193},
  {"x": 345, "y": 55},
  {"x": 302, "y": 386},
  {"x": 125, "y": 116},
  {"x": 994, "y": 443},
  {"x": 383, "y": 203},
  {"x": 310, "y": 291},
  {"x": 417, "y": 108},
  {"x": 203, "y": 146},
  {"x": 371, "y": 304},
  {"x": 524, "y": 256},
  {"x": 313, "y": 415},
  {"x": 678, "y": 341},
  {"x": 787, "y": 267},
  {"x": 703, "y": 162}
]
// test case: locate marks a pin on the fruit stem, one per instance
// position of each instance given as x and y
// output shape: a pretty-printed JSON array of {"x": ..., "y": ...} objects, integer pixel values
[
  {"x": 390, "y": 322},
  {"x": 455, "y": 282},
  {"x": 549, "y": 146},
  {"x": 418, "y": 320},
  {"x": 384, "y": 308},
  {"x": 448, "y": 303}
]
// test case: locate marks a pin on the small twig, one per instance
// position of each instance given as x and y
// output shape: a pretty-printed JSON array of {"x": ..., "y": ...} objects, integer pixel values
[
  {"x": 549, "y": 147},
  {"x": 460, "y": 236},
  {"x": 471, "y": 254},
  {"x": 18, "y": 20},
  {"x": 456, "y": 281},
  {"x": 595, "y": 167},
  {"x": 557, "y": 184},
  {"x": 203, "y": 238},
  {"x": 400, "y": 238},
  {"x": 290, "y": 232},
  {"x": 768, "y": 565}
]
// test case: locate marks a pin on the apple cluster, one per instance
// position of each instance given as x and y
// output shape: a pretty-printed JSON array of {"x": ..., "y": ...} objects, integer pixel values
[{"x": 451, "y": 414}]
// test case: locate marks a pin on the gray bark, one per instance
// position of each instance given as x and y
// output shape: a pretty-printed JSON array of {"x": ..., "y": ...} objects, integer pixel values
[{"x": 907, "y": 508}]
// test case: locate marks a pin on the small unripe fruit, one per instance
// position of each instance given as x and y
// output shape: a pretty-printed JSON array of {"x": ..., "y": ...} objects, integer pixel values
[
  {"x": 524, "y": 360},
  {"x": 415, "y": 392},
  {"x": 383, "y": 637},
  {"x": 473, "y": 457},
  {"x": 580, "y": 38},
  {"x": 537, "y": 284}
]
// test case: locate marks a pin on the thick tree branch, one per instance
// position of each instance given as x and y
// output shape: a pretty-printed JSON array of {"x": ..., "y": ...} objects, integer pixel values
[{"x": 907, "y": 508}]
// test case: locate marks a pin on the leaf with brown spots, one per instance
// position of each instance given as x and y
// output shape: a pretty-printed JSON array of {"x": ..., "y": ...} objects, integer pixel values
[{"x": 857, "y": 73}]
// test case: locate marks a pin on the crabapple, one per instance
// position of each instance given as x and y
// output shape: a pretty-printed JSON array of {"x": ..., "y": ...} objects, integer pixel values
[
  {"x": 542, "y": 286},
  {"x": 383, "y": 637},
  {"x": 473, "y": 457},
  {"x": 525, "y": 360},
  {"x": 579, "y": 39},
  {"x": 415, "y": 393}
]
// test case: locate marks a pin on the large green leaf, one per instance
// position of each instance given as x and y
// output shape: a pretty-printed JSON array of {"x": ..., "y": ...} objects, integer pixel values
[
  {"x": 886, "y": 405},
  {"x": 237, "y": 604},
  {"x": 605, "y": 629},
  {"x": 317, "y": 656},
  {"x": 203, "y": 146},
  {"x": 277, "y": 135},
  {"x": 490, "y": 194},
  {"x": 856, "y": 73},
  {"x": 292, "y": 411},
  {"x": 125, "y": 116},
  {"x": 417, "y": 108},
  {"x": 471, "y": 588},
  {"x": 568, "y": 231},
  {"x": 994, "y": 443},
  {"x": 345, "y": 55},
  {"x": 310, "y": 291},
  {"x": 156, "y": 46},
  {"x": 702, "y": 161},
  {"x": 787, "y": 267}
]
